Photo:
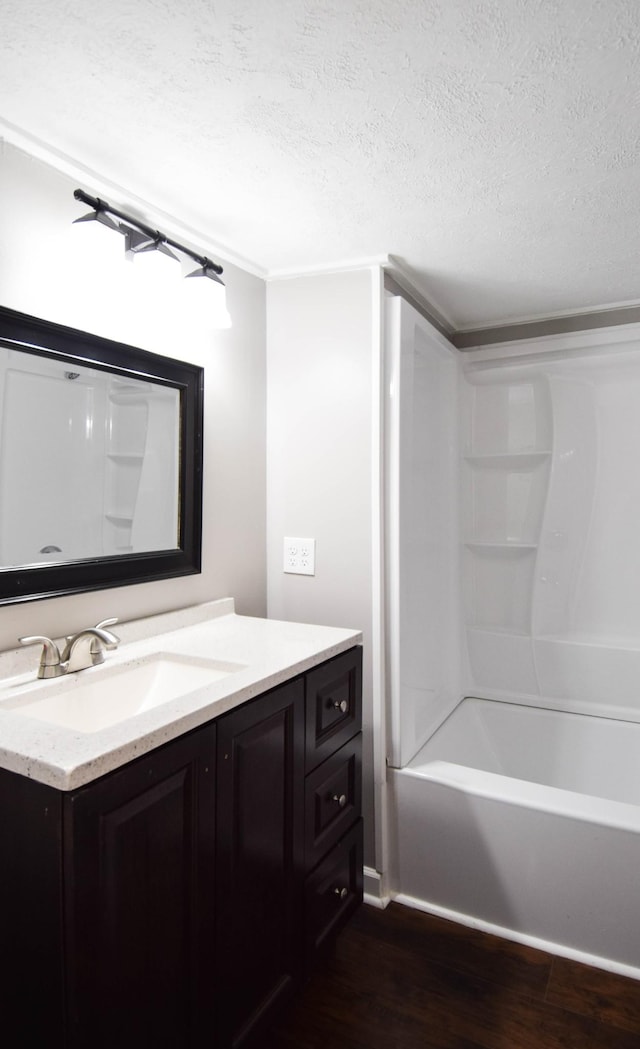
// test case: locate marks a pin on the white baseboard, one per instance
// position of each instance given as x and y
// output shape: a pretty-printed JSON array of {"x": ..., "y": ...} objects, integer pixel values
[
  {"x": 375, "y": 893},
  {"x": 539, "y": 944}
]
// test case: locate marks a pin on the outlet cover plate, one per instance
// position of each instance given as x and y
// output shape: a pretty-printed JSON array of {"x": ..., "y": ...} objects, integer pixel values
[{"x": 299, "y": 556}]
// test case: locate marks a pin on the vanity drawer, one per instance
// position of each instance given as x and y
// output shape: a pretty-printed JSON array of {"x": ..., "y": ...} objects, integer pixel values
[
  {"x": 333, "y": 891},
  {"x": 334, "y": 705},
  {"x": 333, "y": 799}
]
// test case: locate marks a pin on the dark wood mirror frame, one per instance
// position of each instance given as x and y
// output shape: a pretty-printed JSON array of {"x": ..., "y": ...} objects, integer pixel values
[{"x": 31, "y": 582}]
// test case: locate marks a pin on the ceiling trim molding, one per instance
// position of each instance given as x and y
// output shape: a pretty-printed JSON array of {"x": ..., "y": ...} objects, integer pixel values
[
  {"x": 394, "y": 287},
  {"x": 326, "y": 269},
  {"x": 99, "y": 185},
  {"x": 396, "y": 282},
  {"x": 594, "y": 339},
  {"x": 565, "y": 324},
  {"x": 430, "y": 310}
]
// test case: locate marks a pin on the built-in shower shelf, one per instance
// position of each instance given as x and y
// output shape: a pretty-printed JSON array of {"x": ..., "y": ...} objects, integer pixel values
[
  {"x": 593, "y": 641},
  {"x": 500, "y": 547},
  {"x": 130, "y": 399},
  {"x": 138, "y": 397},
  {"x": 508, "y": 460},
  {"x": 122, "y": 520},
  {"x": 126, "y": 457},
  {"x": 497, "y": 629}
]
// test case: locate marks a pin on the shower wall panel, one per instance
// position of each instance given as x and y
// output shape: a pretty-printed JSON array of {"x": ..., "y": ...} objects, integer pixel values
[
  {"x": 422, "y": 528},
  {"x": 550, "y": 496}
]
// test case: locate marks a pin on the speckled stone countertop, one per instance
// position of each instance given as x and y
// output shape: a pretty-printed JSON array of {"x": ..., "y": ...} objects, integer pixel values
[{"x": 268, "y": 651}]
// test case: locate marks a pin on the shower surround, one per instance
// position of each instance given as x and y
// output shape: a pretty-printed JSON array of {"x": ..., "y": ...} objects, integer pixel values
[{"x": 514, "y": 570}]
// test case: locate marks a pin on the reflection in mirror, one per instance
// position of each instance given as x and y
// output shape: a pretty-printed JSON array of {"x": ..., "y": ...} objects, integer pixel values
[
  {"x": 100, "y": 462},
  {"x": 88, "y": 462}
]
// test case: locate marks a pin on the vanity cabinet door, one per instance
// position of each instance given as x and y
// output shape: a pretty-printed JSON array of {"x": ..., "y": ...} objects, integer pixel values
[
  {"x": 31, "y": 1002},
  {"x": 139, "y": 874},
  {"x": 260, "y": 819}
]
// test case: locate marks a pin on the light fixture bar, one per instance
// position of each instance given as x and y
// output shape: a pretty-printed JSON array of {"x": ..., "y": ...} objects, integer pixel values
[{"x": 101, "y": 207}]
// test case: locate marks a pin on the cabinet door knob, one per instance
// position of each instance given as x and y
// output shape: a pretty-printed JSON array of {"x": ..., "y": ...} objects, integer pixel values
[
  {"x": 341, "y": 799},
  {"x": 341, "y": 893},
  {"x": 341, "y": 704}
]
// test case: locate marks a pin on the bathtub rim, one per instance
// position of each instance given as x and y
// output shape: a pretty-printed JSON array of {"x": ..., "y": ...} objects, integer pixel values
[
  {"x": 589, "y": 808},
  {"x": 561, "y": 704}
]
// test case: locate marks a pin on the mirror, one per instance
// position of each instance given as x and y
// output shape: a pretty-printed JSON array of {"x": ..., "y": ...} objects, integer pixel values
[{"x": 100, "y": 462}]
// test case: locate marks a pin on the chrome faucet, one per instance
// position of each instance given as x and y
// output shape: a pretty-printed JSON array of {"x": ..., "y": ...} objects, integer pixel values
[
  {"x": 87, "y": 647},
  {"x": 50, "y": 665},
  {"x": 81, "y": 650}
]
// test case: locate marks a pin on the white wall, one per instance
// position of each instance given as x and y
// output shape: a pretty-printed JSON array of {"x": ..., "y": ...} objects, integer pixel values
[
  {"x": 323, "y": 359},
  {"x": 49, "y": 268}
]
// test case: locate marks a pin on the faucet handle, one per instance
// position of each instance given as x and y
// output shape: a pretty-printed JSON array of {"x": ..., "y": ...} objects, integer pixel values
[
  {"x": 102, "y": 626},
  {"x": 50, "y": 665}
]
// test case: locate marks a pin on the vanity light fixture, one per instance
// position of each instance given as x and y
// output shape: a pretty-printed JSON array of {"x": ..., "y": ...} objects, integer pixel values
[
  {"x": 141, "y": 239},
  {"x": 99, "y": 215},
  {"x": 207, "y": 269},
  {"x": 137, "y": 243}
]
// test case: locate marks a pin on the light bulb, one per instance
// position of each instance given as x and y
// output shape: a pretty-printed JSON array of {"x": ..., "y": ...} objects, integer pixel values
[{"x": 211, "y": 297}]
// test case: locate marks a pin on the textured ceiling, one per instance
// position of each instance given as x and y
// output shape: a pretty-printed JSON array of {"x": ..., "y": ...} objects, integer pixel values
[{"x": 491, "y": 145}]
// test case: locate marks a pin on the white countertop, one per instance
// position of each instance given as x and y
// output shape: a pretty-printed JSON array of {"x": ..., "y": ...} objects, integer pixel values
[{"x": 269, "y": 651}]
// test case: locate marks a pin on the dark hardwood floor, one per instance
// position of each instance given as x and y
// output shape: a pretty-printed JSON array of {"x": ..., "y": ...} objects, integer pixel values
[{"x": 400, "y": 979}]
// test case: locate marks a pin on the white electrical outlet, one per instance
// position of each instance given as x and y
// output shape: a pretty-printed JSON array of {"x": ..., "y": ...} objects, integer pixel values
[{"x": 300, "y": 556}]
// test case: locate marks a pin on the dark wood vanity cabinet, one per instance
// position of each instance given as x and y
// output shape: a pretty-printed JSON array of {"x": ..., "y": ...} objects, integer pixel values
[
  {"x": 259, "y": 858},
  {"x": 177, "y": 902},
  {"x": 289, "y": 853},
  {"x": 107, "y": 905},
  {"x": 333, "y": 799},
  {"x": 139, "y": 876}
]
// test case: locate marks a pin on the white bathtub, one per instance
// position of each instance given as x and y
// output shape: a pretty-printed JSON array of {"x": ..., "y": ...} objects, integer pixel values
[{"x": 525, "y": 822}]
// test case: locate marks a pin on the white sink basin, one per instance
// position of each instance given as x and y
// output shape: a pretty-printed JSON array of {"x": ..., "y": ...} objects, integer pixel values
[{"x": 98, "y": 698}]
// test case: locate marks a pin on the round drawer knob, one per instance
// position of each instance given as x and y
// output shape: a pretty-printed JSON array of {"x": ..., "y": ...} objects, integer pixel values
[
  {"x": 340, "y": 799},
  {"x": 341, "y": 705},
  {"x": 341, "y": 893}
]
